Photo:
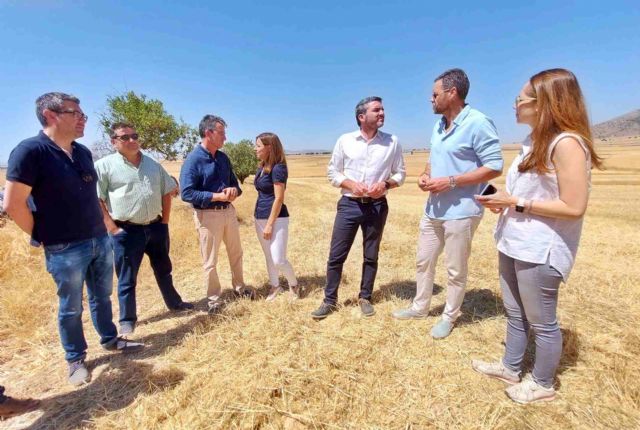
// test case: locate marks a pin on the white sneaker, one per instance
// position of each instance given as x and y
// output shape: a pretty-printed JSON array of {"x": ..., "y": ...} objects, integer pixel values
[
  {"x": 273, "y": 293},
  {"x": 529, "y": 391},
  {"x": 496, "y": 370},
  {"x": 294, "y": 293}
]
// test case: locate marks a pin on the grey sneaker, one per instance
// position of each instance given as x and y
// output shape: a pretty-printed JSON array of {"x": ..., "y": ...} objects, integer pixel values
[
  {"x": 496, "y": 370},
  {"x": 529, "y": 391},
  {"x": 366, "y": 307},
  {"x": 408, "y": 314},
  {"x": 124, "y": 345},
  {"x": 127, "y": 328},
  {"x": 78, "y": 373},
  {"x": 442, "y": 329},
  {"x": 323, "y": 311}
]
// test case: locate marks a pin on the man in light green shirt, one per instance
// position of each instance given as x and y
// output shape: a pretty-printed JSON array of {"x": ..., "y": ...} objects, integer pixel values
[{"x": 135, "y": 193}]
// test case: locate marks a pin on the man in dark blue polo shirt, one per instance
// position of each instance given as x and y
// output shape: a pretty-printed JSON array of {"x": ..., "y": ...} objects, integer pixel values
[
  {"x": 209, "y": 184},
  {"x": 58, "y": 172}
]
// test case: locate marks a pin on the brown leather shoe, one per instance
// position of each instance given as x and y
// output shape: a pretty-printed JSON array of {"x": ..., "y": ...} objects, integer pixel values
[{"x": 11, "y": 407}]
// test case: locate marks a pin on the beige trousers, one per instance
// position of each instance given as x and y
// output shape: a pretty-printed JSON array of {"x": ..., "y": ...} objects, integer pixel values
[
  {"x": 215, "y": 227},
  {"x": 454, "y": 236}
]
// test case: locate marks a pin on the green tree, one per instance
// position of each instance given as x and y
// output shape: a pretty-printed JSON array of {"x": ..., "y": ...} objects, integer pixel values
[
  {"x": 243, "y": 158},
  {"x": 159, "y": 131}
]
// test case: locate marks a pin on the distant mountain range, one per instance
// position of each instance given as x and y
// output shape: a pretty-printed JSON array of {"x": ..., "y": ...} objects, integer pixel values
[{"x": 620, "y": 126}]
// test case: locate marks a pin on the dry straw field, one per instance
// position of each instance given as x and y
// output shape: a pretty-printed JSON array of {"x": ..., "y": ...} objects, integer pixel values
[{"x": 269, "y": 366}]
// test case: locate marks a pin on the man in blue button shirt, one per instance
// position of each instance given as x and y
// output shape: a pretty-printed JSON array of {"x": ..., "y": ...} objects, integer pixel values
[
  {"x": 465, "y": 154},
  {"x": 58, "y": 172},
  {"x": 209, "y": 184}
]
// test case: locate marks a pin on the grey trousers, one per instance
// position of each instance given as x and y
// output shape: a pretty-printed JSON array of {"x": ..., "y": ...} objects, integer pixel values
[{"x": 530, "y": 294}]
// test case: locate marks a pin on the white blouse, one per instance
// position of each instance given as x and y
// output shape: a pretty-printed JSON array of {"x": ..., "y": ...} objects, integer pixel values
[{"x": 535, "y": 238}]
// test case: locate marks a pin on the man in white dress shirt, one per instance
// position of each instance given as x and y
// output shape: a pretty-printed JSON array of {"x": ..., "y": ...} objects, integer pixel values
[{"x": 365, "y": 164}]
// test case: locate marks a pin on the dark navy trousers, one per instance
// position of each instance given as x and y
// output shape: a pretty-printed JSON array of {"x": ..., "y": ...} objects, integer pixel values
[
  {"x": 351, "y": 216},
  {"x": 129, "y": 246}
]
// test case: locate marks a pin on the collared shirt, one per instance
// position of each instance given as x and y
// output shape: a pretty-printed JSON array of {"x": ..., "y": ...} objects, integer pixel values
[
  {"x": 354, "y": 158},
  {"x": 203, "y": 174},
  {"x": 132, "y": 193},
  {"x": 63, "y": 190},
  {"x": 471, "y": 142}
]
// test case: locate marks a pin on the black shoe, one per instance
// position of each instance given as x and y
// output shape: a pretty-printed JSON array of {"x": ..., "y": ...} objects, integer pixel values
[
  {"x": 323, "y": 311},
  {"x": 366, "y": 307},
  {"x": 183, "y": 307}
]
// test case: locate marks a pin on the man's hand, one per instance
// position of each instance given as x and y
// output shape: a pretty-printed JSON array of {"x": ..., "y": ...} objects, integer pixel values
[
  {"x": 231, "y": 193},
  {"x": 376, "y": 190},
  {"x": 219, "y": 197},
  {"x": 438, "y": 185},
  {"x": 359, "y": 189},
  {"x": 423, "y": 180}
]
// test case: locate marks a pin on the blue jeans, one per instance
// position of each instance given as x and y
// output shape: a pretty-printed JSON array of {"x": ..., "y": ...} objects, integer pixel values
[
  {"x": 129, "y": 246},
  {"x": 70, "y": 265},
  {"x": 351, "y": 216}
]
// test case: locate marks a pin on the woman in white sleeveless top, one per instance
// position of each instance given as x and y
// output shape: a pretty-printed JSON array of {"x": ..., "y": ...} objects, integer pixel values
[{"x": 538, "y": 232}]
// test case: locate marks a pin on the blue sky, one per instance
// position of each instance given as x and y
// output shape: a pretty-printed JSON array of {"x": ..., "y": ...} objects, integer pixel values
[{"x": 298, "y": 68}]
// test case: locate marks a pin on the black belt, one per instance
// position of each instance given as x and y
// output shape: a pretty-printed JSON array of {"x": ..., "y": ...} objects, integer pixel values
[
  {"x": 153, "y": 221},
  {"x": 366, "y": 200}
]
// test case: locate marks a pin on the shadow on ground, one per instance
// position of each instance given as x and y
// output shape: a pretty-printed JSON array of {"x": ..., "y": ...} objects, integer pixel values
[
  {"x": 477, "y": 306},
  {"x": 115, "y": 388},
  {"x": 405, "y": 290}
]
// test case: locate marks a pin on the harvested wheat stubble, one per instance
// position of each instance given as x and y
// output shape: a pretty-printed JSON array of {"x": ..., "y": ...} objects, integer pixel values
[{"x": 269, "y": 366}]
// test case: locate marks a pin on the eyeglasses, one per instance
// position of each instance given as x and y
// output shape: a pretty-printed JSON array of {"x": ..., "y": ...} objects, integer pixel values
[
  {"x": 435, "y": 95},
  {"x": 127, "y": 137},
  {"x": 76, "y": 114},
  {"x": 520, "y": 100}
]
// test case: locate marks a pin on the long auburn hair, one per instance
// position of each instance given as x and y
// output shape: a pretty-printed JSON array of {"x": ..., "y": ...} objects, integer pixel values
[
  {"x": 560, "y": 108},
  {"x": 276, "y": 151}
]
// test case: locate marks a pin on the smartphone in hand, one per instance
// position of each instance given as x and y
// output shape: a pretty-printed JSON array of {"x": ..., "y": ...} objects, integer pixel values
[{"x": 488, "y": 190}]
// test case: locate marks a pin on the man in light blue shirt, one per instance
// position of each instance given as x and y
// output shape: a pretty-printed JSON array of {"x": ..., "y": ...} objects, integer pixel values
[{"x": 465, "y": 154}]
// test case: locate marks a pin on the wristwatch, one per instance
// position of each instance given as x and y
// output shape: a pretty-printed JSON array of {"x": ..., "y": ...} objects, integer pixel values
[
  {"x": 452, "y": 182},
  {"x": 520, "y": 205},
  {"x": 387, "y": 185}
]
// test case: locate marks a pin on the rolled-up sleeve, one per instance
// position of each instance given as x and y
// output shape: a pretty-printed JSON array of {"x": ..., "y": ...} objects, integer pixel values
[
  {"x": 487, "y": 145},
  {"x": 189, "y": 180},
  {"x": 398, "y": 172},
  {"x": 336, "y": 166}
]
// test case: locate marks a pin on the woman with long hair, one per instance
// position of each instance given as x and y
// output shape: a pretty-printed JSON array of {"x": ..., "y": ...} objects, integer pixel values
[
  {"x": 537, "y": 235},
  {"x": 271, "y": 214}
]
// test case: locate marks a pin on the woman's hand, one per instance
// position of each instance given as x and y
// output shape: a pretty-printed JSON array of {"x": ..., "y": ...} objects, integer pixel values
[
  {"x": 497, "y": 202},
  {"x": 267, "y": 232}
]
